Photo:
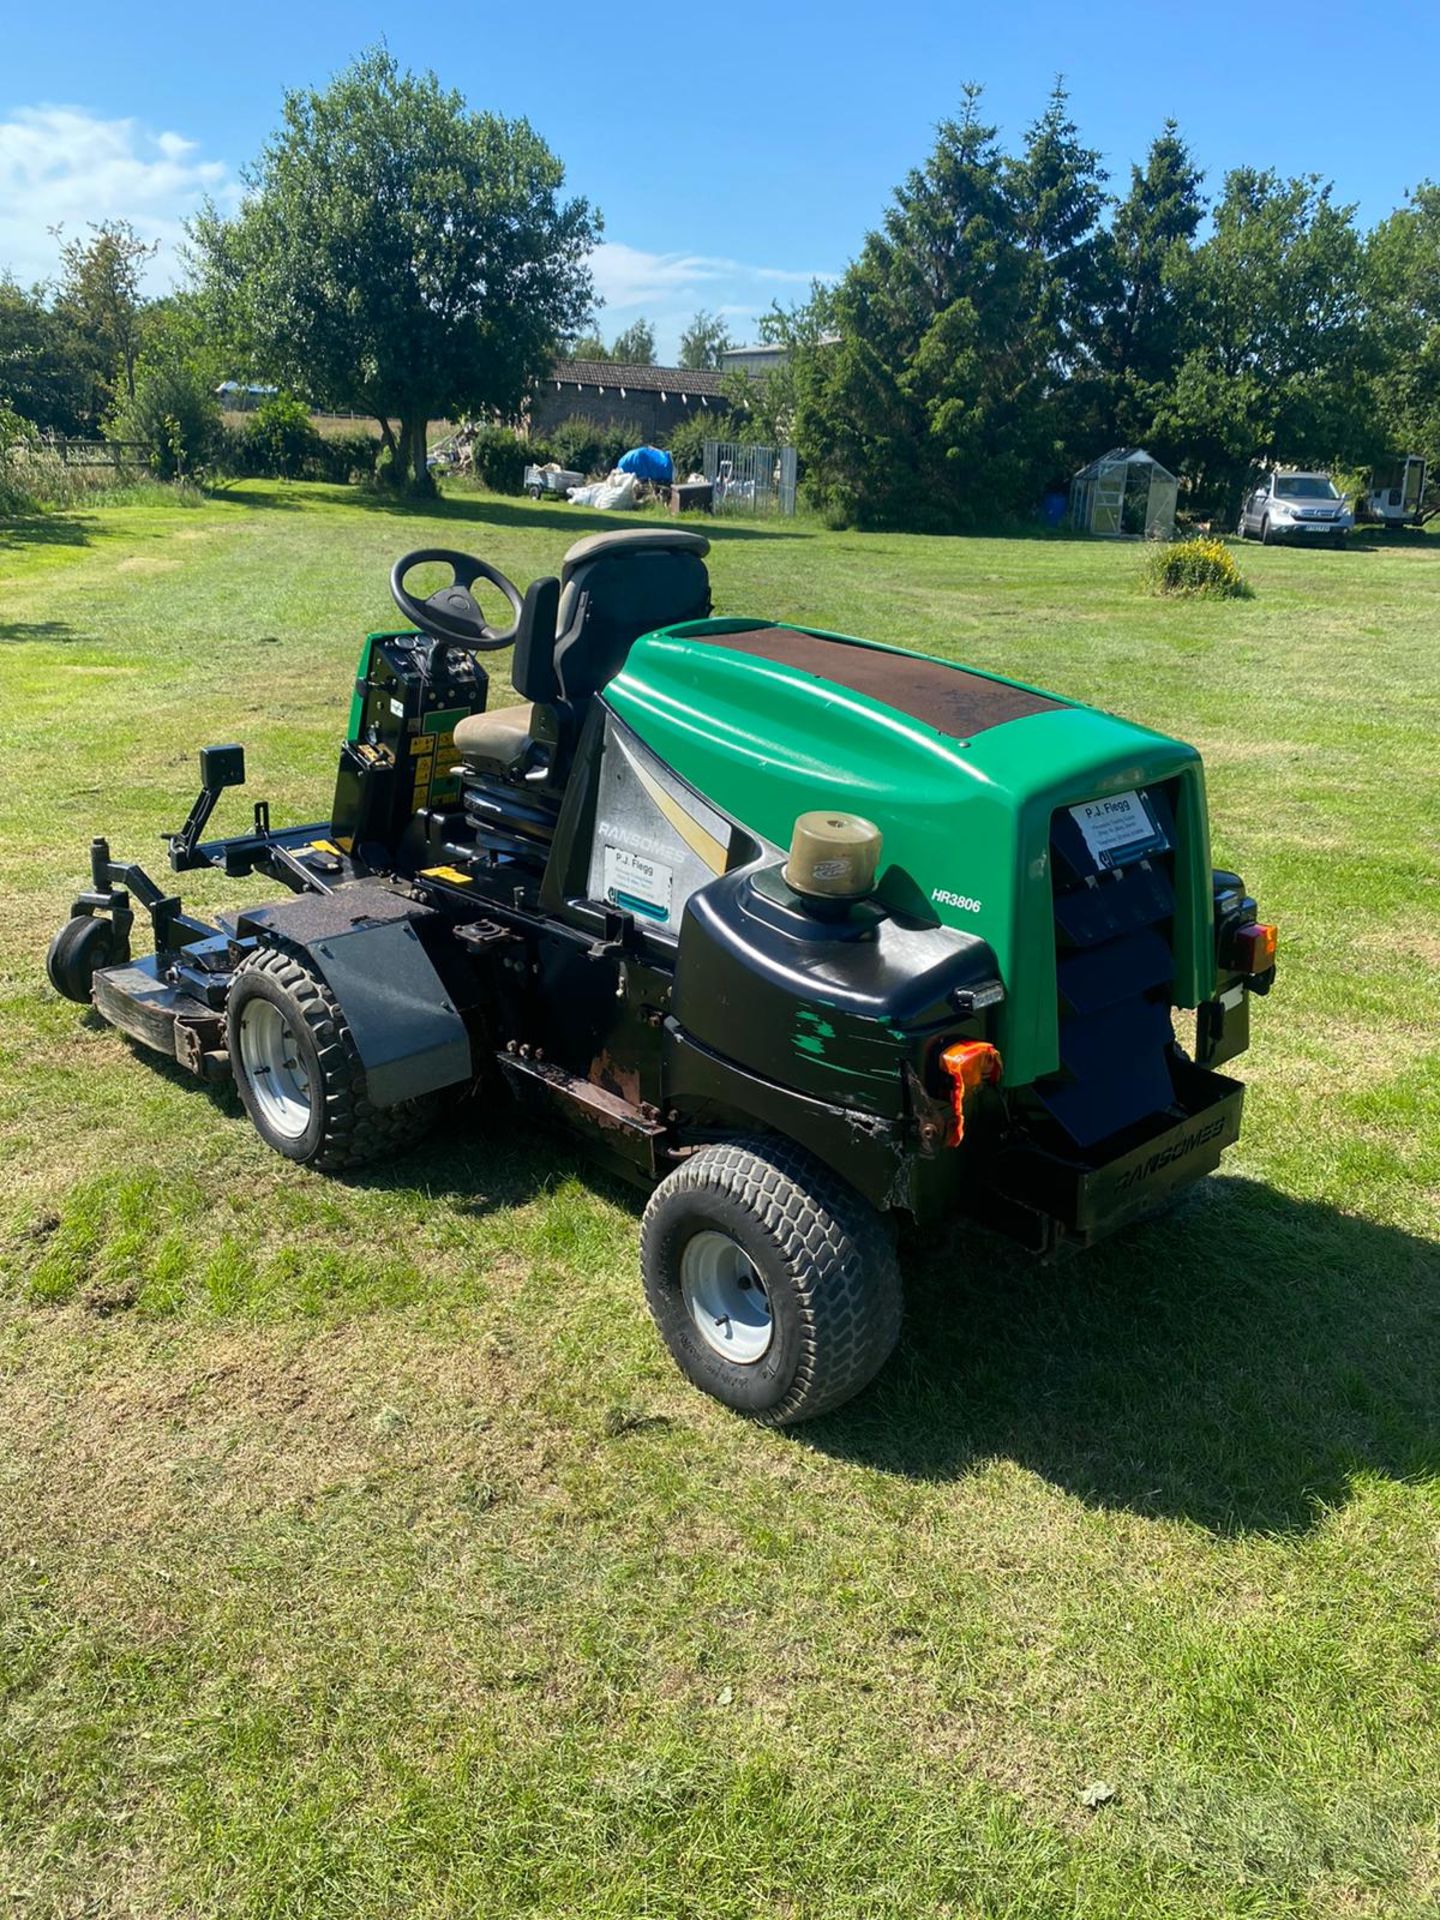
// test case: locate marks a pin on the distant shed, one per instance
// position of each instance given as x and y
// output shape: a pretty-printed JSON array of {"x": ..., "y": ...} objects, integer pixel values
[
  {"x": 1125, "y": 491},
  {"x": 651, "y": 400}
]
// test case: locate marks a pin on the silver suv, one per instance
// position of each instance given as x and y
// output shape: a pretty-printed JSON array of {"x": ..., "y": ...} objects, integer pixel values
[{"x": 1295, "y": 506}]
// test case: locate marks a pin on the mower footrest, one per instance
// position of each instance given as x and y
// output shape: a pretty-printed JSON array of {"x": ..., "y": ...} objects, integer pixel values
[
  {"x": 1090, "y": 1196},
  {"x": 140, "y": 1001},
  {"x": 633, "y": 1132}
]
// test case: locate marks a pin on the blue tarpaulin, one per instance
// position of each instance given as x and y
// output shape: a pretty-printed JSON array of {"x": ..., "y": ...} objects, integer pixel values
[{"x": 649, "y": 463}]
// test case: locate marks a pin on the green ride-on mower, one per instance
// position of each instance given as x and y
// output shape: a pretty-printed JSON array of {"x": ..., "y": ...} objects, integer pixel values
[{"x": 803, "y": 932}]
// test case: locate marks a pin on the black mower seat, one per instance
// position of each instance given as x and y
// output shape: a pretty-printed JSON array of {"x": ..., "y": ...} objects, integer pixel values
[
  {"x": 616, "y": 586},
  {"x": 613, "y": 587},
  {"x": 496, "y": 741},
  {"x": 631, "y": 540}
]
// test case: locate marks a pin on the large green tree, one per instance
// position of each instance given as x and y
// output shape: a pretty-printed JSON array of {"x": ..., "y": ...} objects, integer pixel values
[
  {"x": 46, "y": 369},
  {"x": 1279, "y": 344},
  {"x": 1139, "y": 343},
  {"x": 401, "y": 256},
  {"x": 900, "y": 405},
  {"x": 938, "y": 392},
  {"x": 101, "y": 300},
  {"x": 172, "y": 411},
  {"x": 1403, "y": 270}
]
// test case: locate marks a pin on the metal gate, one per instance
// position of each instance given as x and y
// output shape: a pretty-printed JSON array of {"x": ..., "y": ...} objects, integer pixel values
[{"x": 750, "y": 479}]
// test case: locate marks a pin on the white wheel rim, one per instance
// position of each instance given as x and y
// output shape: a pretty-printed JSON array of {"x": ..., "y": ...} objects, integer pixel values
[
  {"x": 726, "y": 1298},
  {"x": 275, "y": 1068}
]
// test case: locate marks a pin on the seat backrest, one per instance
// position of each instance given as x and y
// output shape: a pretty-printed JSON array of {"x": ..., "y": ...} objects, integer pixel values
[
  {"x": 616, "y": 586},
  {"x": 532, "y": 665}
]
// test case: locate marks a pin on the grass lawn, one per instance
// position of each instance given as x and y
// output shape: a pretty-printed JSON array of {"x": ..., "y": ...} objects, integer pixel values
[{"x": 362, "y": 1553}]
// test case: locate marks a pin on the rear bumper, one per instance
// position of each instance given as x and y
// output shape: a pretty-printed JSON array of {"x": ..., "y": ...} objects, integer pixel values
[{"x": 1042, "y": 1197}]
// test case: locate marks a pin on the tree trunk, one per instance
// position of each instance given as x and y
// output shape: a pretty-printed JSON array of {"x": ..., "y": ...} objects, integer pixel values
[{"x": 414, "y": 445}]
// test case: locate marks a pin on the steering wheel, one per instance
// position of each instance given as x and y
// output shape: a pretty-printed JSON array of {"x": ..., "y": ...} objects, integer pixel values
[{"x": 452, "y": 613}]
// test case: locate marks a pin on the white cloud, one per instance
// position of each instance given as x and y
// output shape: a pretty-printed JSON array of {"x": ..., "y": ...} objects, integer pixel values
[
  {"x": 668, "y": 288},
  {"x": 63, "y": 166}
]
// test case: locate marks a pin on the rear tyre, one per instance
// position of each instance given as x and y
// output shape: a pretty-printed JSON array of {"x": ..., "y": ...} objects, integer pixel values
[
  {"x": 299, "y": 1075},
  {"x": 1267, "y": 539},
  {"x": 78, "y": 952},
  {"x": 774, "y": 1285}
]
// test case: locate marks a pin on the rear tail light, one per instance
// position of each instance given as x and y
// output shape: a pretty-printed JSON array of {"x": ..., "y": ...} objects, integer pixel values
[
  {"x": 970, "y": 1064},
  {"x": 1251, "y": 949}
]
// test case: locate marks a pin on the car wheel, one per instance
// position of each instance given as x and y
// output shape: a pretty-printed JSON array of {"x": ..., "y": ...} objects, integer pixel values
[
  {"x": 79, "y": 950},
  {"x": 1267, "y": 539},
  {"x": 774, "y": 1284},
  {"x": 299, "y": 1075}
]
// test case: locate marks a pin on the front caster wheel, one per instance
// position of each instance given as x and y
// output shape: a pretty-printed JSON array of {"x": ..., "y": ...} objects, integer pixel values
[
  {"x": 81, "y": 948},
  {"x": 774, "y": 1285},
  {"x": 299, "y": 1075}
]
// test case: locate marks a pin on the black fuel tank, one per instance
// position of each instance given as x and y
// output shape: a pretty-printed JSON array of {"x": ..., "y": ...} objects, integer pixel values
[{"x": 831, "y": 1007}]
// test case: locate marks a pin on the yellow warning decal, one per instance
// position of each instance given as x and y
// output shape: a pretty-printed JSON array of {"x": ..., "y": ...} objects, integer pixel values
[
  {"x": 452, "y": 874},
  {"x": 422, "y": 743},
  {"x": 324, "y": 846}
]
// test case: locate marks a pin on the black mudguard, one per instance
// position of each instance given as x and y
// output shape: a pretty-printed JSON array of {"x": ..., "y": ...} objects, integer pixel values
[{"x": 366, "y": 943}]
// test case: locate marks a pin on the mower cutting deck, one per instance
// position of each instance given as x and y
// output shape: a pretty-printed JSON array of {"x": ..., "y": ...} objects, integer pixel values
[{"x": 954, "y": 994}]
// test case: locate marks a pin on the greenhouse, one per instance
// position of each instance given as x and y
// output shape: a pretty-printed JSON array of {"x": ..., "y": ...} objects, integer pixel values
[{"x": 1124, "y": 492}]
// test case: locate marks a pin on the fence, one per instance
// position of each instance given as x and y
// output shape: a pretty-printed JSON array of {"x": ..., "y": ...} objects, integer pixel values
[
  {"x": 750, "y": 479},
  {"x": 95, "y": 453}
]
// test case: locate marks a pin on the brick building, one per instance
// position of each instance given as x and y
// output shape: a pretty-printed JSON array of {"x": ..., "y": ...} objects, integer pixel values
[{"x": 608, "y": 392}]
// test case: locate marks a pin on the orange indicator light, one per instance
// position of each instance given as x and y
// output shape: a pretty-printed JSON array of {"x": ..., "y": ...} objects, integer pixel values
[
  {"x": 970, "y": 1064},
  {"x": 1253, "y": 947}
]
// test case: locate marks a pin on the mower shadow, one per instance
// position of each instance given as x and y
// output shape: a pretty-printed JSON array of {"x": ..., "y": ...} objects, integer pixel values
[
  {"x": 465, "y": 1161},
  {"x": 480, "y": 1170},
  {"x": 1235, "y": 1364}
]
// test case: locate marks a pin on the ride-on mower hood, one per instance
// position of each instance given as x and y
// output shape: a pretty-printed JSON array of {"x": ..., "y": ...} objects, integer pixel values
[{"x": 966, "y": 775}]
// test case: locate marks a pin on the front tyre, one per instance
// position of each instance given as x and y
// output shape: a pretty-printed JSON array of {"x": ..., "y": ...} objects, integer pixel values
[
  {"x": 80, "y": 950},
  {"x": 299, "y": 1075},
  {"x": 774, "y": 1285}
]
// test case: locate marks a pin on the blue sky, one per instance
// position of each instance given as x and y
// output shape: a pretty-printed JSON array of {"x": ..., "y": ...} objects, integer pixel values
[{"x": 734, "y": 152}]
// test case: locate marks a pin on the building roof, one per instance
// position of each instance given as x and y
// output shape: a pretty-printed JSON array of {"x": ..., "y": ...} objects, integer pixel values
[
  {"x": 704, "y": 381},
  {"x": 1122, "y": 457}
]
